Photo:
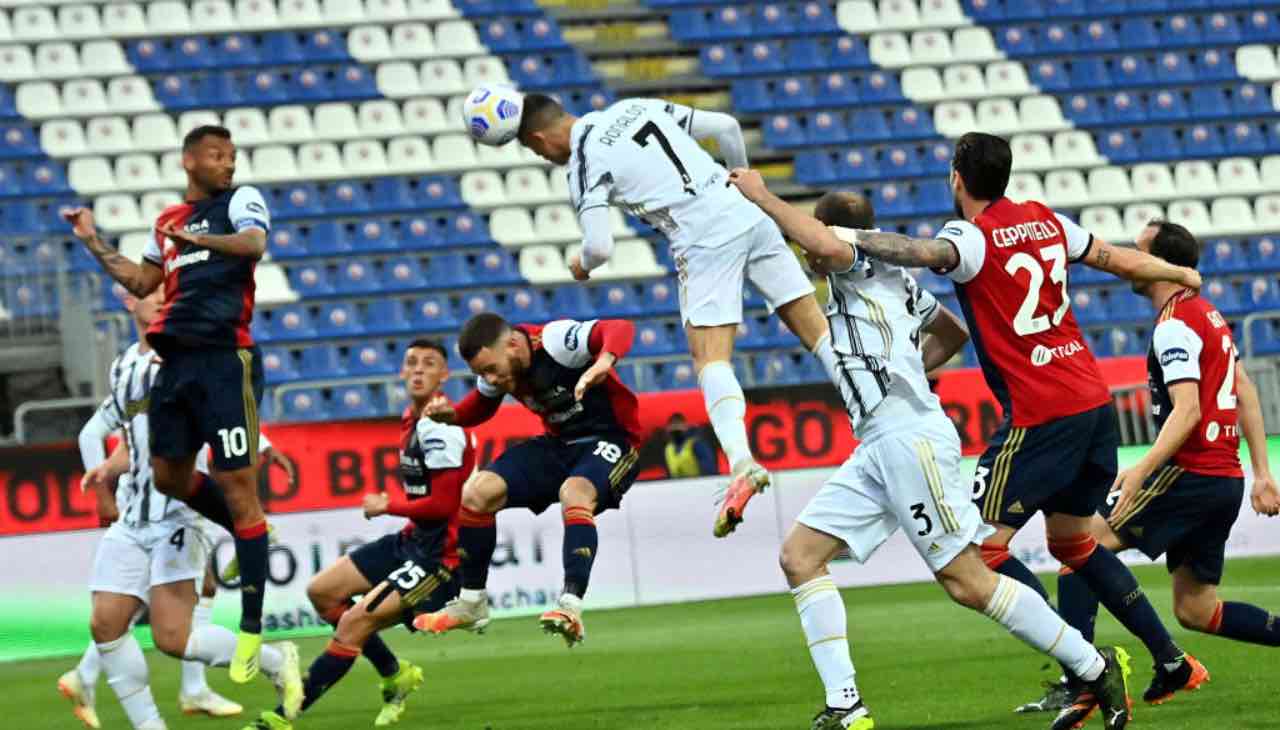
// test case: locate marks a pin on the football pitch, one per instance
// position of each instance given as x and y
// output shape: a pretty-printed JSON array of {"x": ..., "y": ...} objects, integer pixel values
[{"x": 923, "y": 663}]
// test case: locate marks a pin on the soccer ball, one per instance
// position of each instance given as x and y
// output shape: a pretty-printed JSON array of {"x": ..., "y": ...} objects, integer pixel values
[{"x": 492, "y": 113}]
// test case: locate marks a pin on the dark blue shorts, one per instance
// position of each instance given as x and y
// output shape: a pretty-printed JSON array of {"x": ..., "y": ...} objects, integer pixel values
[
  {"x": 1064, "y": 466},
  {"x": 207, "y": 396},
  {"x": 535, "y": 470},
  {"x": 1186, "y": 517},
  {"x": 424, "y": 584}
]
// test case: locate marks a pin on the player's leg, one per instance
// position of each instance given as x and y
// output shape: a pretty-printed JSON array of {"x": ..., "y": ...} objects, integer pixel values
[
  {"x": 195, "y": 696},
  {"x": 78, "y": 685},
  {"x": 122, "y": 658},
  {"x": 1198, "y": 607}
]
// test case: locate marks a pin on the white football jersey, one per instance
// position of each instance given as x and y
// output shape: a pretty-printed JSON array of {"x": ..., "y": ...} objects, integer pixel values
[
  {"x": 876, "y": 311},
  {"x": 638, "y": 155}
]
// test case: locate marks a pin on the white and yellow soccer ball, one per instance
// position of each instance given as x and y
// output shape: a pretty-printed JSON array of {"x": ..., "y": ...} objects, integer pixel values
[{"x": 492, "y": 114}]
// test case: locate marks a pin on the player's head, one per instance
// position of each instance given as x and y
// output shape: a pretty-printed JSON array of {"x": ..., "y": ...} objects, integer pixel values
[
  {"x": 145, "y": 309},
  {"x": 209, "y": 157},
  {"x": 844, "y": 209},
  {"x": 980, "y": 169},
  {"x": 544, "y": 128},
  {"x": 1168, "y": 241},
  {"x": 424, "y": 369},
  {"x": 492, "y": 349}
]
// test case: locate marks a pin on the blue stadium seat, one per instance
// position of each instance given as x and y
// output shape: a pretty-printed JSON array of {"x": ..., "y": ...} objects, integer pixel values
[
  {"x": 933, "y": 197},
  {"x": 374, "y": 236},
  {"x": 291, "y": 322},
  {"x": 1261, "y": 294},
  {"x": 321, "y": 361},
  {"x": 524, "y": 304},
  {"x": 868, "y": 125},
  {"x": 328, "y": 238},
  {"x": 263, "y": 87},
  {"x": 901, "y": 161},
  {"x": 499, "y": 35},
  {"x": 937, "y": 159},
  {"x": 295, "y": 201},
  {"x": 1124, "y": 107},
  {"x": 370, "y": 358},
  {"x": 278, "y": 366},
  {"x": 1265, "y": 254},
  {"x": 750, "y": 95},
  {"x": 1214, "y": 65},
  {"x": 1083, "y": 110},
  {"x": 338, "y": 319},
  {"x": 1017, "y": 41},
  {"x": 357, "y": 401},
  {"x": 661, "y": 297},
  {"x": 420, "y": 234},
  {"x": 808, "y": 54},
  {"x": 753, "y": 333},
  {"x": 826, "y": 128},
  {"x": 985, "y": 11},
  {"x": 1261, "y": 26},
  {"x": 1088, "y": 306},
  {"x": 782, "y": 131},
  {"x": 346, "y": 196},
  {"x": 1245, "y": 139},
  {"x": 310, "y": 280},
  {"x": 325, "y": 46},
  {"x": 1058, "y": 38},
  {"x": 1139, "y": 33},
  {"x": 1166, "y": 106},
  {"x": 795, "y": 92},
  {"x": 836, "y": 89},
  {"x": 174, "y": 93},
  {"x": 1181, "y": 31},
  {"x": 855, "y": 165},
  {"x": 433, "y": 314},
  {"x": 357, "y": 276},
  {"x": 1130, "y": 70},
  {"x": 729, "y": 23},
  {"x": 19, "y": 141},
  {"x": 618, "y": 300},
  {"x": 239, "y": 51},
  {"x": 910, "y": 123},
  {"x": 1252, "y": 100},
  {"x": 1266, "y": 338},
  {"x": 1098, "y": 36},
  {"x": 1049, "y": 75},
  {"x": 1174, "y": 68},
  {"x": 477, "y": 301},
  {"x": 676, "y": 376},
  {"x": 572, "y": 301},
  {"x": 1024, "y": 10},
  {"x": 351, "y": 82},
  {"x": 282, "y": 49},
  {"x": 1221, "y": 29},
  {"x": 815, "y": 168},
  {"x": 542, "y": 33},
  {"x": 1125, "y": 305},
  {"x": 880, "y": 87},
  {"x": 386, "y": 316},
  {"x": 466, "y": 229},
  {"x": 847, "y": 52},
  {"x": 1205, "y": 140},
  {"x": 894, "y": 200},
  {"x": 533, "y": 72},
  {"x": 495, "y": 267},
  {"x": 1223, "y": 295},
  {"x": 1223, "y": 257},
  {"x": 304, "y": 405},
  {"x": 1159, "y": 143},
  {"x": 402, "y": 273},
  {"x": 764, "y": 57},
  {"x": 44, "y": 178},
  {"x": 1090, "y": 72},
  {"x": 652, "y": 338},
  {"x": 1123, "y": 342},
  {"x": 1210, "y": 102},
  {"x": 720, "y": 60},
  {"x": 431, "y": 191},
  {"x": 149, "y": 56}
]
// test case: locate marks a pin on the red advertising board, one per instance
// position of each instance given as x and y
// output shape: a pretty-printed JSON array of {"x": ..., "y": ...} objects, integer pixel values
[{"x": 790, "y": 428}]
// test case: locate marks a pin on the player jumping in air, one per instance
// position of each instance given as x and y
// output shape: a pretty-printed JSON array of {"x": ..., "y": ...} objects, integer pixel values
[
  {"x": 404, "y": 572},
  {"x": 888, "y": 333},
  {"x": 642, "y": 155},
  {"x": 1181, "y": 499},
  {"x": 203, "y": 251},
  {"x": 586, "y": 460},
  {"x": 154, "y": 557},
  {"x": 1056, "y": 450}
]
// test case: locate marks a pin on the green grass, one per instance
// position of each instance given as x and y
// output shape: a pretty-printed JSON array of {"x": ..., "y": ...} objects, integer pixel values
[{"x": 923, "y": 663}]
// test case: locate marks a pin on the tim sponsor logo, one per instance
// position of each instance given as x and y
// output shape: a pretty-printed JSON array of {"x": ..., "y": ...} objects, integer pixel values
[
  {"x": 1042, "y": 355},
  {"x": 1030, "y": 231}
]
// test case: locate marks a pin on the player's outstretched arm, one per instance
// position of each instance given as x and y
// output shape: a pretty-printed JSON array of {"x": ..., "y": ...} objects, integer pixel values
[
  {"x": 1265, "y": 496},
  {"x": 809, "y": 233},
  {"x": 597, "y": 241},
  {"x": 895, "y": 248},
  {"x": 944, "y": 336},
  {"x": 251, "y": 243},
  {"x": 609, "y": 342},
  {"x": 726, "y": 131},
  {"x": 1134, "y": 265},
  {"x": 139, "y": 279},
  {"x": 472, "y": 410},
  {"x": 1184, "y": 418}
]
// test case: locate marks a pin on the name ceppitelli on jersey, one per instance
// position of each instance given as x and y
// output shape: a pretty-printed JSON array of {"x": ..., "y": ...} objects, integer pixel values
[
  {"x": 186, "y": 259},
  {"x": 1042, "y": 355},
  {"x": 615, "y": 130},
  {"x": 1029, "y": 231}
]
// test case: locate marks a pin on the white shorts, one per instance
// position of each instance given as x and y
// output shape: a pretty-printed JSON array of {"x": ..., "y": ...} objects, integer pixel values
[
  {"x": 908, "y": 477},
  {"x": 712, "y": 279},
  {"x": 130, "y": 560}
]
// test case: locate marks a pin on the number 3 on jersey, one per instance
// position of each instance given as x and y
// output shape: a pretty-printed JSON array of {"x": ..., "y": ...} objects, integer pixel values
[{"x": 1026, "y": 321}]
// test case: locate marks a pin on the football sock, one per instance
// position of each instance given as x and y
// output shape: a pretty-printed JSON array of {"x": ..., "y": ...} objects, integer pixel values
[
  {"x": 126, "y": 671},
  {"x": 193, "y": 680},
  {"x": 252, "y": 550},
  {"x": 822, "y": 617},
  {"x": 374, "y": 649},
  {"x": 1077, "y": 603},
  {"x": 1119, "y": 591},
  {"x": 580, "y": 543},
  {"x": 1027, "y": 616},
  {"x": 326, "y": 671},
  {"x": 207, "y": 498},
  {"x": 210, "y": 645},
  {"x": 477, "y": 539},
  {"x": 90, "y": 667},
  {"x": 727, "y": 409},
  {"x": 1245, "y": 622}
]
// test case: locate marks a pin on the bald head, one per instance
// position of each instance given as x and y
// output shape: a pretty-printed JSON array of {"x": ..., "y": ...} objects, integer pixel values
[{"x": 847, "y": 210}]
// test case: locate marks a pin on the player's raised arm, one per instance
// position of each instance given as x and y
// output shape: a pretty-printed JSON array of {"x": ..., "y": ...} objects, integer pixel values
[
  {"x": 721, "y": 127},
  {"x": 1126, "y": 263},
  {"x": 139, "y": 279},
  {"x": 1265, "y": 496},
  {"x": 249, "y": 216},
  {"x": 822, "y": 243},
  {"x": 610, "y": 340}
]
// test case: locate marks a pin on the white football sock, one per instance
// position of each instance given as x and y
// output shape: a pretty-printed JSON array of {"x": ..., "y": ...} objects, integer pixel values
[
  {"x": 471, "y": 595},
  {"x": 822, "y": 616},
  {"x": 126, "y": 671},
  {"x": 193, "y": 680},
  {"x": 90, "y": 668},
  {"x": 727, "y": 409},
  {"x": 1026, "y": 615},
  {"x": 210, "y": 645}
]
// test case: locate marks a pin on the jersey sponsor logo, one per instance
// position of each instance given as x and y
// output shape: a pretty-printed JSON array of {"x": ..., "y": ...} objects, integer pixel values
[
  {"x": 187, "y": 259},
  {"x": 1172, "y": 355},
  {"x": 571, "y": 337},
  {"x": 256, "y": 207},
  {"x": 952, "y": 230},
  {"x": 201, "y": 226},
  {"x": 1216, "y": 319},
  {"x": 1029, "y": 231},
  {"x": 433, "y": 444},
  {"x": 619, "y": 126},
  {"x": 1041, "y": 355}
]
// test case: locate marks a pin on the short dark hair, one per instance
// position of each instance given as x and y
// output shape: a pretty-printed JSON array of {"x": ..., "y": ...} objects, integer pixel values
[
  {"x": 984, "y": 162},
  {"x": 427, "y": 343},
  {"x": 539, "y": 112},
  {"x": 847, "y": 210},
  {"x": 481, "y": 331},
  {"x": 1174, "y": 243},
  {"x": 194, "y": 137}
]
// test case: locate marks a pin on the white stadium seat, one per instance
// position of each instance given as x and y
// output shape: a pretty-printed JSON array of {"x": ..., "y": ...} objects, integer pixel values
[
  {"x": 412, "y": 40},
  {"x": 482, "y": 189},
  {"x": 1270, "y": 170},
  {"x": 889, "y": 50},
  {"x": 543, "y": 265},
  {"x": 1237, "y": 175},
  {"x": 1153, "y": 180},
  {"x": 931, "y": 47},
  {"x": 151, "y": 205},
  {"x": 271, "y": 286},
  {"x": 1266, "y": 213},
  {"x": 1104, "y": 221},
  {"x": 457, "y": 38},
  {"x": 1025, "y": 186},
  {"x": 857, "y": 17},
  {"x": 922, "y": 84},
  {"x": 104, "y": 58},
  {"x": 123, "y": 19},
  {"x": 174, "y": 176},
  {"x": 974, "y": 44},
  {"x": 398, "y": 79},
  {"x": 362, "y": 157},
  {"x": 427, "y": 116},
  {"x": 290, "y": 124},
  {"x": 1075, "y": 149},
  {"x": 257, "y": 14},
  {"x": 386, "y": 10},
  {"x": 508, "y": 155},
  {"x": 118, "y": 212},
  {"x": 16, "y": 63},
  {"x": 319, "y": 160},
  {"x": 900, "y": 15},
  {"x": 137, "y": 172},
  {"x": 409, "y": 154},
  {"x": 343, "y": 12},
  {"x": 131, "y": 94},
  {"x": 133, "y": 244},
  {"x": 38, "y": 100},
  {"x": 998, "y": 116},
  {"x": 1110, "y": 184},
  {"x": 1257, "y": 62},
  {"x": 1195, "y": 179},
  {"x": 512, "y": 227},
  {"x": 485, "y": 70},
  {"x": 1008, "y": 78},
  {"x": 188, "y": 121},
  {"x": 1193, "y": 214},
  {"x": 556, "y": 222},
  {"x": 634, "y": 258},
  {"x": 301, "y": 13},
  {"x": 619, "y": 223},
  {"x": 943, "y": 13},
  {"x": 274, "y": 163},
  {"x": 338, "y": 120},
  {"x": 90, "y": 175},
  {"x": 217, "y": 15},
  {"x": 84, "y": 97},
  {"x": 526, "y": 185},
  {"x": 57, "y": 60},
  {"x": 1065, "y": 189},
  {"x": 167, "y": 17},
  {"x": 63, "y": 138},
  {"x": 443, "y": 77},
  {"x": 964, "y": 81},
  {"x": 1137, "y": 215},
  {"x": 368, "y": 43},
  {"x": 248, "y": 126},
  {"x": 79, "y": 21},
  {"x": 33, "y": 24},
  {"x": 1230, "y": 213},
  {"x": 432, "y": 9},
  {"x": 953, "y": 118},
  {"x": 559, "y": 187},
  {"x": 108, "y": 136},
  {"x": 1041, "y": 113}
]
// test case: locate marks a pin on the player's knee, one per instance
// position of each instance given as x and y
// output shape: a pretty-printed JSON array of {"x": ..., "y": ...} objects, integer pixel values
[
  {"x": 965, "y": 591},
  {"x": 799, "y": 565},
  {"x": 170, "y": 640},
  {"x": 106, "y": 628},
  {"x": 1193, "y": 615},
  {"x": 355, "y": 627},
  {"x": 1073, "y": 551},
  {"x": 578, "y": 493},
  {"x": 483, "y": 494}
]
